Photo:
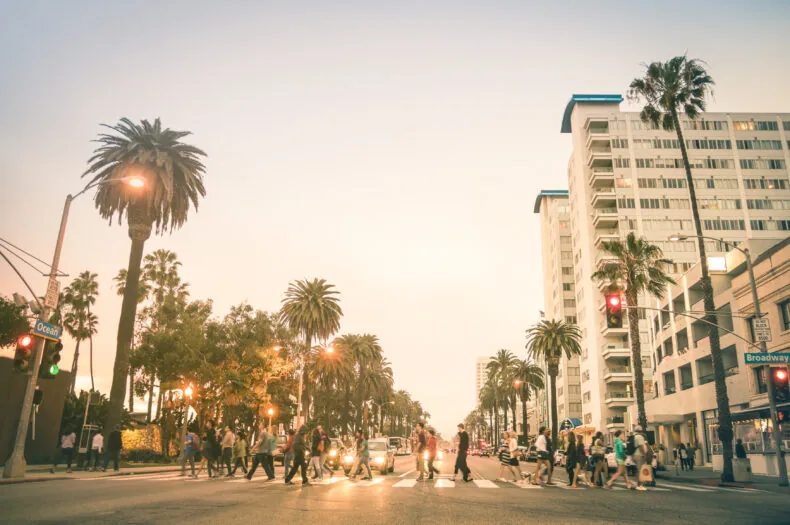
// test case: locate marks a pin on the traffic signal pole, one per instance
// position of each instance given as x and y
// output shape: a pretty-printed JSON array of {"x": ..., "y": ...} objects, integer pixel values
[
  {"x": 780, "y": 459},
  {"x": 16, "y": 464}
]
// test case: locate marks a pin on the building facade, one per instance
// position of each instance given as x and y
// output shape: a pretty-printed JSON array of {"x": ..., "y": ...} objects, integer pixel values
[
  {"x": 559, "y": 299},
  {"x": 625, "y": 176},
  {"x": 683, "y": 407},
  {"x": 481, "y": 376}
]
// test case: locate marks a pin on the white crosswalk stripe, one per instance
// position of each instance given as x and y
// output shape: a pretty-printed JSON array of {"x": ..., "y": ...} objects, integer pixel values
[
  {"x": 444, "y": 484},
  {"x": 485, "y": 484},
  {"x": 687, "y": 487},
  {"x": 405, "y": 483}
]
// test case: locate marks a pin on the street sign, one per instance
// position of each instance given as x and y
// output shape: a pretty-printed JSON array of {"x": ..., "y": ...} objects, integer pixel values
[
  {"x": 762, "y": 330},
  {"x": 46, "y": 330},
  {"x": 761, "y": 358},
  {"x": 53, "y": 293}
]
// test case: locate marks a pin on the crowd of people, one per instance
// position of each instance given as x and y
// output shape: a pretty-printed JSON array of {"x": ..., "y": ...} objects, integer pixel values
[{"x": 96, "y": 457}]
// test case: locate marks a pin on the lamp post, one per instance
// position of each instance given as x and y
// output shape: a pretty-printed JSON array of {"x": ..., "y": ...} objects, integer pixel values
[
  {"x": 270, "y": 413},
  {"x": 763, "y": 348},
  {"x": 16, "y": 464},
  {"x": 187, "y": 396}
]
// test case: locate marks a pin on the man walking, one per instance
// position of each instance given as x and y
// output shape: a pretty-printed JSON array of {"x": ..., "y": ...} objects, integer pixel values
[
  {"x": 288, "y": 452},
  {"x": 192, "y": 446},
  {"x": 639, "y": 455},
  {"x": 463, "y": 448},
  {"x": 257, "y": 451},
  {"x": 544, "y": 455},
  {"x": 432, "y": 449},
  {"x": 299, "y": 449},
  {"x": 227, "y": 450},
  {"x": 269, "y": 447},
  {"x": 619, "y": 456},
  {"x": 97, "y": 447},
  {"x": 421, "y": 444},
  {"x": 363, "y": 457},
  {"x": 114, "y": 446}
]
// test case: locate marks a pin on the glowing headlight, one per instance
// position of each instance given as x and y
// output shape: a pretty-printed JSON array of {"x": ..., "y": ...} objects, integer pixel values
[
  {"x": 349, "y": 459},
  {"x": 439, "y": 456},
  {"x": 425, "y": 456},
  {"x": 379, "y": 461},
  {"x": 333, "y": 453}
]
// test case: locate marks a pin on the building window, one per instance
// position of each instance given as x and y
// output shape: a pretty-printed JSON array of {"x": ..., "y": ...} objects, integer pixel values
[
  {"x": 574, "y": 407},
  {"x": 784, "y": 314},
  {"x": 574, "y": 389},
  {"x": 585, "y": 376},
  {"x": 762, "y": 164},
  {"x": 626, "y": 203},
  {"x": 765, "y": 184},
  {"x": 573, "y": 371},
  {"x": 587, "y": 418},
  {"x": 571, "y": 319},
  {"x": 586, "y": 397},
  {"x": 759, "y": 144},
  {"x": 569, "y": 303},
  {"x": 751, "y": 125},
  {"x": 559, "y": 391},
  {"x": 567, "y": 287},
  {"x": 760, "y": 380}
]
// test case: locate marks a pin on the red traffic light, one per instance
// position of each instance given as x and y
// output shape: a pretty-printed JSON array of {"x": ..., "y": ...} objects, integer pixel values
[
  {"x": 613, "y": 301},
  {"x": 25, "y": 341},
  {"x": 780, "y": 374}
]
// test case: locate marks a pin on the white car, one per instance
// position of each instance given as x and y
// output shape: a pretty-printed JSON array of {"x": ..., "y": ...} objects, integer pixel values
[{"x": 382, "y": 456}]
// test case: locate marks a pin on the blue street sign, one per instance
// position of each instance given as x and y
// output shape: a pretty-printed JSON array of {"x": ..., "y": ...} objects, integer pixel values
[
  {"x": 760, "y": 358},
  {"x": 46, "y": 330}
]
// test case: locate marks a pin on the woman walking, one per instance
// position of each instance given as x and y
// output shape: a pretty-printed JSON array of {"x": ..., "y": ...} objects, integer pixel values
[
  {"x": 580, "y": 467},
  {"x": 619, "y": 456},
  {"x": 682, "y": 456},
  {"x": 513, "y": 450},
  {"x": 209, "y": 446},
  {"x": 598, "y": 451},
  {"x": 227, "y": 450},
  {"x": 570, "y": 457},
  {"x": 240, "y": 453}
]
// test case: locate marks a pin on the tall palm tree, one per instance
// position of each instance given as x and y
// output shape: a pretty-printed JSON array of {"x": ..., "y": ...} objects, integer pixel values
[
  {"x": 173, "y": 183},
  {"x": 550, "y": 340},
  {"x": 311, "y": 309},
  {"x": 142, "y": 294},
  {"x": 530, "y": 380},
  {"x": 640, "y": 266},
  {"x": 488, "y": 402},
  {"x": 669, "y": 89},
  {"x": 500, "y": 373},
  {"x": 78, "y": 319}
]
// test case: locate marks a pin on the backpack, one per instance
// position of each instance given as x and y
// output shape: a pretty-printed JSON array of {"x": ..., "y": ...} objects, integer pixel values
[{"x": 630, "y": 447}]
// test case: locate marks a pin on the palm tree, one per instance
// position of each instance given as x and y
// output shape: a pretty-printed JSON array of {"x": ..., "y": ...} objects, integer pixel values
[
  {"x": 500, "y": 373},
  {"x": 488, "y": 402},
  {"x": 142, "y": 294},
  {"x": 311, "y": 309},
  {"x": 173, "y": 176},
  {"x": 550, "y": 340},
  {"x": 670, "y": 88},
  {"x": 529, "y": 379},
  {"x": 78, "y": 320},
  {"x": 639, "y": 265}
]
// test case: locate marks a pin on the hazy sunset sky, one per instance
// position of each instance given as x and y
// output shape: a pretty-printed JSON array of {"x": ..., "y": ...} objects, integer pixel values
[{"x": 392, "y": 148}]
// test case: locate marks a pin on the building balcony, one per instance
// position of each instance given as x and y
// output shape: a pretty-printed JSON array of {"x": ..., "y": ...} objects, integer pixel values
[
  {"x": 598, "y": 137},
  {"x": 617, "y": 374},
  {"x": 604, "y": 198},
  {"x": 602, "y": 259},
  {"x": 612, "y": 352},
  {"x": 603, "y": 285},
  {"x": 619, "y": 399},
  {"x": 605, "y": 218},
  {"x": 602, "y": 176},
  {"x": 615, "y": 422},
  {"x": 612, "y": 332},
  {"x": 599, "y": 157},
  {"x": 606, "y": 236}
]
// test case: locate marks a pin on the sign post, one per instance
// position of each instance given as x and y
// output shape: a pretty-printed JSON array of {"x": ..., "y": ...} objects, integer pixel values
[
  {"x": 759, "y": 358},
  {"x": 53, "y": 293},
  {"x": 762, "y": 329}
]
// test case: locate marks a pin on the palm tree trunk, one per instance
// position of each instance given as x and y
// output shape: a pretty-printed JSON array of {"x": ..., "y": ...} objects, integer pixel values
[
  {"x": 138, "y": 233},
  {"x": 159, "y": 400},
  {"x": 150, "y": 398},
  {"x": 513, "y": 409},
  {"x": 131, "y": 389},
  {"x": 636, "y": 354},
  {"x": 553, "y": 369},
  {"x": 524, "y": 417},
  {"x": 719, "y": 376},
  {"x": 74, "y": 365},
  {"x": 90, "y": 340}
]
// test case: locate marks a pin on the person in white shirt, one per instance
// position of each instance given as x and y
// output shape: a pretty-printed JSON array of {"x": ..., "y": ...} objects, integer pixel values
[
  {"x": 544, "y": 456},
  {"x": 67, "y": 439},
  {"x": 97, "y": 447}
]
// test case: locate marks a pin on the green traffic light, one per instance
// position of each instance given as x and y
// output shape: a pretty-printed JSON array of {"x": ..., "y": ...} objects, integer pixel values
[{"x": 53, "y": 370}]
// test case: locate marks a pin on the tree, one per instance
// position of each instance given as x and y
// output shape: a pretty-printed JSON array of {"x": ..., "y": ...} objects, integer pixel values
[
  {"x": 500, "y": 374},
  {"x": 550, "y": 340},
  {"x": 311, "y": 309},
  {"x": 78, "y": 320},
  {"x": 142, "y": 295},
  {"x": 530, "y": 380},
  {"x": 639, "y": 265},
  {"x": 13, "y": 322},
  {"x": 173, "y": 182},
  {"x": 670, "y": 88},
  {"x": 488, "y": 402}
]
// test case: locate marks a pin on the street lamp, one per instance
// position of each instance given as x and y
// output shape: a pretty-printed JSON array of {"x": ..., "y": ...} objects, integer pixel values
[
  {"x": 16, "y": 464},
  {"x": 330, "y": 349},
  {"x": 517, "y": 383},
  {"x": 270, "y": 412},
  {"x": 763, "y": 348}
]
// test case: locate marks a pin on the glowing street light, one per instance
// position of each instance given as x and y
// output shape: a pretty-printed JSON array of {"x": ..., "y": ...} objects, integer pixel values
[
  {"x": 188, "y": 391},
  {"x": 270, "y": 412}
]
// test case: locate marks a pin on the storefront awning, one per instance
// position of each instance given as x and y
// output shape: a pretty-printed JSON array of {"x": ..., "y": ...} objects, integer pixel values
[{"x": 658, "y": 419}]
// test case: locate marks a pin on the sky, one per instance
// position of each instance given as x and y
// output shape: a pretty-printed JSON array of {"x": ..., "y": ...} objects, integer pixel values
[{"x": 392, "y": 148}]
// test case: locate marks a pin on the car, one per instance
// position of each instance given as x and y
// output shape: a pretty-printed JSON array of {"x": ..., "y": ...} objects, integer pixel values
[
  {"x": 532, "y": 454},
  {"x": 485, "y": 452},
  {"x": 559, "y": 458},
  {"x": 334, "y": 457},
  {"x": 279, "y": 456},
  {"x": 382, "y": 457}
]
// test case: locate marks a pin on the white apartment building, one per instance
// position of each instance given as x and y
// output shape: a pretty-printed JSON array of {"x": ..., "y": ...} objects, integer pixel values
[
  {"x": 481, "y": 375},
  {"x": 559, "y": 298},
  {"x": 624, "y": 176},
  {"x": 683, "y": 408}
]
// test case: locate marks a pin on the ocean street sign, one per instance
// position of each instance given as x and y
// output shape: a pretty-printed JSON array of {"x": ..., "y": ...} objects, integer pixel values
[{"x": 46, "y": 330}]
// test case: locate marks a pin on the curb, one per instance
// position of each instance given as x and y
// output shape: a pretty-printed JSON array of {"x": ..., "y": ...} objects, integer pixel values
[
  {"x": 707, "y": 482},
  {"x": 16, "y": 481}
]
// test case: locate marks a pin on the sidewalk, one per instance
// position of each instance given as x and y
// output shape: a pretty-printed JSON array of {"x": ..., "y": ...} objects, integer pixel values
[
  {"x": 38, "y": 473},
  {"x": 707, "y": 476}
]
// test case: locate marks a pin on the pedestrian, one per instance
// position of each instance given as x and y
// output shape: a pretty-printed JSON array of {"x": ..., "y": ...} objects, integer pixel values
[
  {"x": 239, "y": 458},
  {"x": 640, "y": 455},
  {"x": 682, "y": 456},
  {"x": 67, "y": 439},
  {"x": 97, "y": 447},
  {"x": 114, "y": 447},
  {"x": 619, "y": 456},
  {"x": 463, "y": 448},
  {"x": 544, "y": 455},
  {"x": 691, "y": 453},
  {"x": 299, "y": 449},
  {"x": 191, "y": 447},
  {"x": 363, "y": 457},
  {"x": 257, "y": 451},
  {"x": 209, "y": 446},
  {"x": 421, "y": 442},
  {"x": 288, "y": 453},
  {"x": 598, "y": 452},
  {"x": 227, "y": 449},
  {"x": 432, "y": 450},
  {"x": 570, "y": 456},
  {"x": 580, "y": 467},
  {"x": 269, "y": 447},
  {"x": 512, "y": 445},
  {"x": 325, "y": 452},
  {"x": 740, "y": 450},
  {"x": 316, "y": 449}
]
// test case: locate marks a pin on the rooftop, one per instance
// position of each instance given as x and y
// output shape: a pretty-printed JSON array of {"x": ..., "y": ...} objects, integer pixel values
[
  {"x": 566, "y": 118},
  {"x": 548, "y": 193}
]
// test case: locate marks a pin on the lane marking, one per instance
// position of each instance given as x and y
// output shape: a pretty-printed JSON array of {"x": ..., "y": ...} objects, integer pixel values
[
  {"x": 407, "y": 473},
  {"x": 485, "y": 484},
  {"x": 444, "y": 484},
  {"x": 682, "y": 487},
  {"x": 405, "y": 484},
  {"x": 142, "y": 477}
]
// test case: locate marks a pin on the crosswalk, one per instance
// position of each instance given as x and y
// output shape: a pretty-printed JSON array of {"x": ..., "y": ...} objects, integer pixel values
[{"x": 442, "y": 482}]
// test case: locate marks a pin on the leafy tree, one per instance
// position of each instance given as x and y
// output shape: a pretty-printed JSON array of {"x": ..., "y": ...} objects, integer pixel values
[
  {"x": 550, "y": 340},
  {"x": 671, "y": 89},
  {"x": 639, "y": 265},
  {"x": 173, "y": 176},
  {"x": 13, "y": 322}
]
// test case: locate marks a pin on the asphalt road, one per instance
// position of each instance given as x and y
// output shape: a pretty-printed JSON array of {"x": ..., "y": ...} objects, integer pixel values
[{"x": 395, "y": 498}]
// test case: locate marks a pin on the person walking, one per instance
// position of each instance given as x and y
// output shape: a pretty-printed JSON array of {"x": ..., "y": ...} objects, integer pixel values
[
  {"x": 544, "y": 456},
  {"x": 463, "y": 448},
  {"x": 114, "y": 447},
  {"x": 269, "y": 447},
  {"x": 421, "y": 444},
  {"x": 227, "y": 450},
  {"x": 316, "y": 449},
  {"x": 257, "y": 451},
  {"x": 325, "y": 452},
  {"x": 682, "y": 456},
  {"x": 363, "y": 458},
  {"x": 504, "y": 456},
  {"x": 67, "y": 439},
  {"x": 97, "y": 447},
  {"x": 299, "y": 449},
  {"x": 239, "y": 458},
  {"x": 191, "y": 448},
  {"x": 640, "y": 454},
  {"x": 209, "y": 446},
  {"x": 288, "y": 453},
  {"x": 570, "y": 457},
  {"x": 432, "y": 449},
  {"x": 691, "y": 455},
  {"x": 619, "y": 456},
  {"x": 580, "y": 467},
  {"x": 512, "y": 446},
  {"x": 598, "y": 452}
]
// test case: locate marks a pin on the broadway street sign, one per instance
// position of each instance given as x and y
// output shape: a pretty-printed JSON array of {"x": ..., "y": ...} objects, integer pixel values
[{"x": 759, "y": 358}]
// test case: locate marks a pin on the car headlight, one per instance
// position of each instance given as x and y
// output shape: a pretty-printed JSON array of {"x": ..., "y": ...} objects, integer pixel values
[
  {"x": 425, "y": 456},
  {"x": 349, "y": 459},
  {"x": 440, "y": 456},
  {"x": 333, "y": 453},
  {"x": 379, "y": 461}
]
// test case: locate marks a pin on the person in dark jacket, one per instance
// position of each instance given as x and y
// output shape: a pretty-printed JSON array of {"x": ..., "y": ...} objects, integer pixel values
[
  {"x": 299, "y": 448},
  {"x": 421, "y": 443},
  {"x": 210, "y": 444},
  {"x": 570, "y": 457},
  {"x": 463, "y": 448},
  {"x": 580, "y": 467},
  {"x": 740, "y": 450},
  {"x": 113, "y": 449}
]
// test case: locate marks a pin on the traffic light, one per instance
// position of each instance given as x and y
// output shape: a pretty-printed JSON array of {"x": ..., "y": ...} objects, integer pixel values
[
  {"x": 23, "y": 357},
  {"x": 779, "y": 378},
  {"x": 49, "y": 364},
  {"x": 614, "y": 310}
]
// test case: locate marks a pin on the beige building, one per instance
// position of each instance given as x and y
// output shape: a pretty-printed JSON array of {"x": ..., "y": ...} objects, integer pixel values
[
  {"x": 624, "y": 176},
  {"x": 683, "y": 405},
  {"x": 559, "y": 301},
  {"x": 481, "y": 375}
]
